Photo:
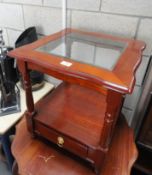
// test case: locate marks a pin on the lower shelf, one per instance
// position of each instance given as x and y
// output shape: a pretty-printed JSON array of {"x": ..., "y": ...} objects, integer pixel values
[{"x": 74, "y": 111}]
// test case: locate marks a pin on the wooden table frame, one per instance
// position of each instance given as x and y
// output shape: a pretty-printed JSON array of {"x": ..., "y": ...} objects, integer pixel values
[{"x": 112, "y": 84}]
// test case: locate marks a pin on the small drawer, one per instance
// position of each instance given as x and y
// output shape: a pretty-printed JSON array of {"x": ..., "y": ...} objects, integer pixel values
[{"x": 61, "y": 140}]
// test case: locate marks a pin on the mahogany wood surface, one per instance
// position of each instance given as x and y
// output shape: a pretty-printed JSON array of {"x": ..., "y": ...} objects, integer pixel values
[
  {"x": 121, "y": 78},
  {"x": 37, "y": 158},
  {"x": 82, "y": 111},
  {"x": 73, "y": 110},
  {"x": 79, "y": 115}
]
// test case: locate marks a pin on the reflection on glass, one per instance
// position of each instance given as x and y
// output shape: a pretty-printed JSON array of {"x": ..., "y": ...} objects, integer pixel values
[{"x": 86, "y": 49}]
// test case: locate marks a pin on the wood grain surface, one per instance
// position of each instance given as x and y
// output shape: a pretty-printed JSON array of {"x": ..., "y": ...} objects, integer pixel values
[
  {"x": 121, "y": 78},
  {"x": 35, "y": 157},
  {"x": 82, "y": 111},
  {"x": 73, "y": 111}
]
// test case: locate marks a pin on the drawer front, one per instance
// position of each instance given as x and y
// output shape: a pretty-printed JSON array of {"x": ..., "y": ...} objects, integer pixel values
[{"x": 61, "y": 140}]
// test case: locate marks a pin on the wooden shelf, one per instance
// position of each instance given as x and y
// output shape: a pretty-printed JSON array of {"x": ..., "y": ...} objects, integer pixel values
[{"x": 74, "y": 111}]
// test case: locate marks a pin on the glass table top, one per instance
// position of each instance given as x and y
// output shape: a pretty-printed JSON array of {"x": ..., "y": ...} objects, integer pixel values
[{"x": 86, "y": 49}]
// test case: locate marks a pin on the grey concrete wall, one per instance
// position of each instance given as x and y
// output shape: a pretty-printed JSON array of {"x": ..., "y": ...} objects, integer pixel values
[{"x": 130, "y": 18}]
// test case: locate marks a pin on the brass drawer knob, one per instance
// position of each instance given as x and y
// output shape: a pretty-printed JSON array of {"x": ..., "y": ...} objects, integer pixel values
[{"x": 60, "y": 141}]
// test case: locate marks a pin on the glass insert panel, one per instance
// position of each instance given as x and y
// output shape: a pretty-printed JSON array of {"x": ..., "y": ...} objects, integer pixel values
[{"x": 86, "y": 49}]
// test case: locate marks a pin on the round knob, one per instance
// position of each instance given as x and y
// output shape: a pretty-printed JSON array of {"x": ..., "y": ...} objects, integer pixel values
[{"x": 60, "y": 141}]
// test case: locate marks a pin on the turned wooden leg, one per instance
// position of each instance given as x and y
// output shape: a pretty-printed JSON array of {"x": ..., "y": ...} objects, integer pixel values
[
  {"x": 29, "y": 122},
  {"x": 29, "y": 97}
]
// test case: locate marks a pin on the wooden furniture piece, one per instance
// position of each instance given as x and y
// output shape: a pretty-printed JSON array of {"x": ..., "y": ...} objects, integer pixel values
[
  {"x": 144, "y": 142},
  {"x": 38, "y": 158},
  {"x": 80, "y": 115},
  {"x": 8, "y": 122}
]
